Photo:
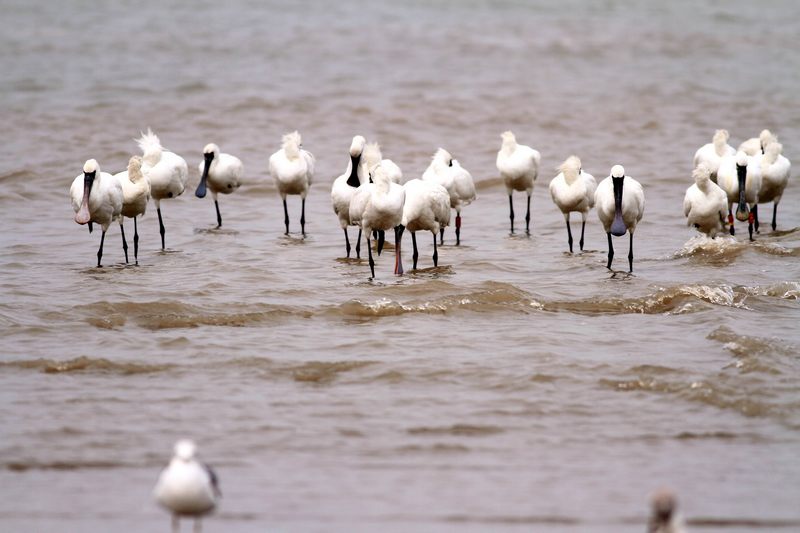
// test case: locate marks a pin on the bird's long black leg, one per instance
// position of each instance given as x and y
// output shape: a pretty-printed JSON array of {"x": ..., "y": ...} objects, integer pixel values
[
  {"x": 528, "y": 217},
  {"x": 415, "y": 255},
  {"x": 610, "y": 251},
  {"x": 219, "y": 217},
  {"x": 630, "y": 255},
  {"x": 124, "y": 242},
  {"x": 750, "y": 222},
  {"x": 583, "y": 227},
  {"x": 381, "y": 240},
  {"x": 441, "y": 235},
  {"x": 371, "y": 261},
  {"x": 100, "y": 251},
  {"x": 303, "y": 217},
  {"x": 135, "y": 241},
  {"x": 358, "y": 244},
  {"x": 774, "y": 216},
  {"x": 569, "y": 234},
  {"x": 286, "y": 216},
  {"x": 755, "y": 218},
  {"x": 511, "y": 212},
  {"x": 435, "y": 252},
  {"x": 458, "y": 230},
  {"x": 161, "y": 227},
  {"x": 347, "y": 243}
]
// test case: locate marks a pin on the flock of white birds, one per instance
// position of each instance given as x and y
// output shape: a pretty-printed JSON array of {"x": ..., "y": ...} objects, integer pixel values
[
  {"x": 370, "y": 196},
  {"x": 756, "y": 173}
]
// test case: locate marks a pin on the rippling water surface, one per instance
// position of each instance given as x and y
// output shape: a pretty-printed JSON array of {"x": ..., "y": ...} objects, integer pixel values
[{"x": 514, "y": 387}]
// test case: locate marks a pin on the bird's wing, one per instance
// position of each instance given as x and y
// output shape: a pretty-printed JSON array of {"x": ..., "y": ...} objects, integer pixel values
[{"x": 214, "y": 480}]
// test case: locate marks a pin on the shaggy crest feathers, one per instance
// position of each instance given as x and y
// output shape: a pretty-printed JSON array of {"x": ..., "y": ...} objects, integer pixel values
[
  {"x": 767, "y": 137},
  {"x": 443, "y": 156},
  {"x": 135, "y": 169},
  {"x": 91, "y": 166},
  {"x": 509, "y": 140},
  {"x": 211, "y": 148},
  {"x": 571, "y": 167},
  {"x": 617, "y": 171},
  {"x": 357, "y": 146},
  {"x": 720, "y": 140},
  {"x": 701, "y": 173},
  {"x": 150, "y": 146},
  {"x": 292, "y": 138},
  {"x": 372, "y": 156},
  {"x": 291, "y": 143}
]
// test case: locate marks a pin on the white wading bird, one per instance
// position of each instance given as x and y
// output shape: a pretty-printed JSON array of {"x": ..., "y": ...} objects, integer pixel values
[
  {"x": 775, "y": 170},
  {"x": 221, "y": 173},
  {"x": 740, "y": 177},
  {"x": 135, "y": 195},
  {"x": 705, "y": 205},
  {"x": 345, "y": 186},
  {"x": 166, "y": 171},
  {"x": 711, "y": 153},
  {"x": 519, "y": 166},
  {"x": 187, "y": 487},
  {"x": 426, "y": 208},
  {"x": 378, "y": 206},
  {"x": 573, "y": 190},
  {"x": 96, "y": 198},
  {"x": 758, "y": 145},
  {"x": 292, "y": 168},
  {"x": 448, "y": 172},
  {"x": 619, "y": 200}
]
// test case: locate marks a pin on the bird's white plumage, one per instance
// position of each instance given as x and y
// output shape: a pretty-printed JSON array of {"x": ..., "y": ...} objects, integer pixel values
[
  {"x": 448, "y": 172},
  {"x": 383, "y": 209},
  {"x": 757, "y": 145},
  {"x": 224, "y": 171},
  {"x": 518, "y": 164},
  {"x": 728, "y": 178},
  {"x": 705, "y": 204},
  {"x": 573, "y": 189},
  {"x": 775, "y": 172},
  {"x": 103, "y": 204},
  {"x": 166, "y": 171},
  {"x": 135, "y": 188},
  {"x": 291, "y": 167},
  {"x": 186, "y": 487},
  {"x": 632, "y": 207},
  {"x": 372, "y": 158},
  {"x": 426, "y": 206},
  {"x": 341, "y": 192},
  {"x": 710, "y": 154}
]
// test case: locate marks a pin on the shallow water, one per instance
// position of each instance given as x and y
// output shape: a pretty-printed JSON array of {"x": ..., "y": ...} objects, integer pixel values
[{"x": 514, "y": 387}]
